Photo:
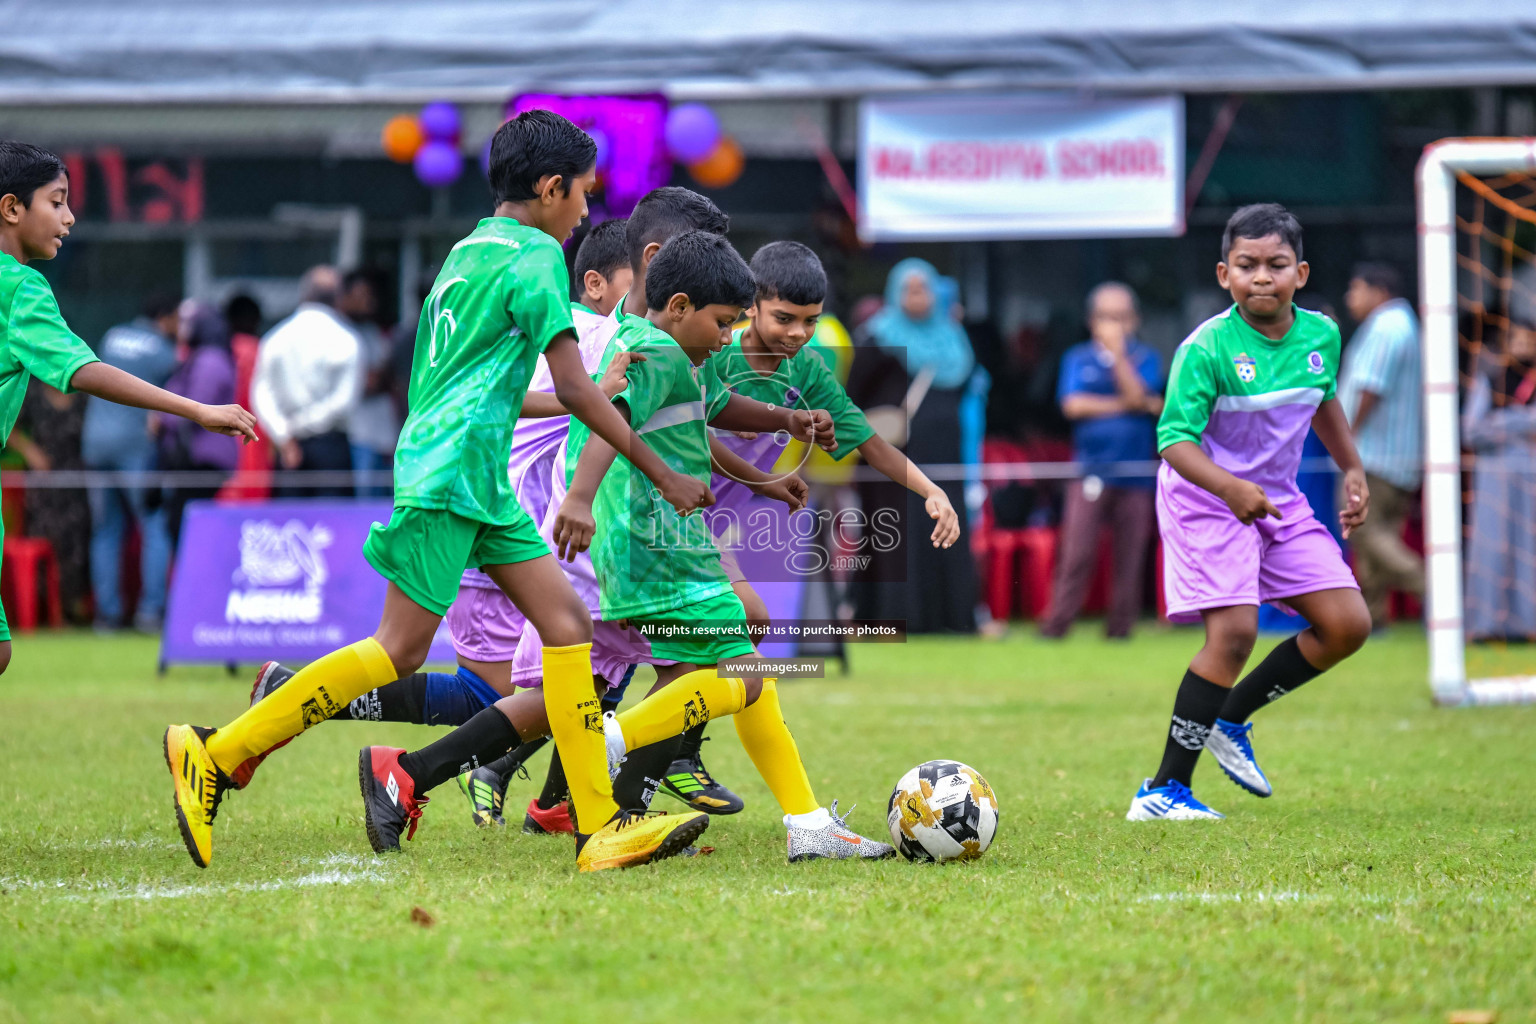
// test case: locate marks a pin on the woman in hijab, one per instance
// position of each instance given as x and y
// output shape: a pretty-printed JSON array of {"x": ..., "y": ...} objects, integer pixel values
[
  {"x": 207, "y": 375},
  {"x": 1498, "y": 426},
  {"x": 917, "y": 327}
]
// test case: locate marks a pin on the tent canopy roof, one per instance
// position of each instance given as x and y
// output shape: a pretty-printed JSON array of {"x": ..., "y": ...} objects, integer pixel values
[{"x": 263, "y": 51}]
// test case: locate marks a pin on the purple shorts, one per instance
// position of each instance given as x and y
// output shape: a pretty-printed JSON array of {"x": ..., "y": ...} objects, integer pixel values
[
  {"x": 485, "y": 624},
  {"x": 1210, "y": 560},
  {"x": 614, "y": 649}
]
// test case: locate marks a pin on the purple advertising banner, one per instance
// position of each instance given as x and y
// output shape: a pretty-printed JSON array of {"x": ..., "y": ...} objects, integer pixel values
[{"x": 275, "y": 580}]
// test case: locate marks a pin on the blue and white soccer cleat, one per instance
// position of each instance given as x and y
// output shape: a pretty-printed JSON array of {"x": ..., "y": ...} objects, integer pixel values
[
  {"x": 1233, "y": 750},
  {"x": 1170, "y": 802}
]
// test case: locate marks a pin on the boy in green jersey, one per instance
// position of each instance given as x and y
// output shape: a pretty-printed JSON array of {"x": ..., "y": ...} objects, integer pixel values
[
  {"x": 765, "y": 362},
  {"x": 661, "y": 573},
  {"x": 1244, "y": 389},
  {"x": 34, "y": 340},
  {"x": 499, "y": 301}
]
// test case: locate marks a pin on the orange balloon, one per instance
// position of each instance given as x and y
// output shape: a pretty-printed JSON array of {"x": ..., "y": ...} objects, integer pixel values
[
  {"x": 402, "y": 138},
  {"x": 723, "y": 165}
]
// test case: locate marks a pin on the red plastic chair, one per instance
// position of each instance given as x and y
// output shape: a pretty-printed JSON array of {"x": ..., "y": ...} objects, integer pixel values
[{"x": 23, "y": 557}]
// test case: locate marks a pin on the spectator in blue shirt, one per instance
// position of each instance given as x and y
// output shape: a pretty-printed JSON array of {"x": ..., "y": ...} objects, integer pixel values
[
  {"x": 117, "y": 437},
  {"x": 1111, "y": 389},
  {"x": 1381, "y": 389}
]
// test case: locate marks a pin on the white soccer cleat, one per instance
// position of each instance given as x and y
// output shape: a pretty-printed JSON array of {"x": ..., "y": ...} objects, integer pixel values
[
  {"x": 822, "y": 835},
  {"x": 1232, "y": 747},
  {"x": 613, "y": 736},
  {"x": 1170, "y": 802}
]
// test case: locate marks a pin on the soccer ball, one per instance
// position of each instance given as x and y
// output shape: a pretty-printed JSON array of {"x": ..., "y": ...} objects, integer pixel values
[{"x": 942, "y": 811}]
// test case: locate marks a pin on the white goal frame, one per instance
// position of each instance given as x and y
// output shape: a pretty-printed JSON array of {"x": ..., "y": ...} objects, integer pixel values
[{"x": 1438, "y": 292}]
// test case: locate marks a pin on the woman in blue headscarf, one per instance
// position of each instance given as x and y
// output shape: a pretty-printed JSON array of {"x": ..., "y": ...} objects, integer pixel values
[{"x": 918, "y": 328}]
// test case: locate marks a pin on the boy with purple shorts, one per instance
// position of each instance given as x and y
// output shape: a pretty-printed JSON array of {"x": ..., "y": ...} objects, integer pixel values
[{"x": 1243, "y": 391}]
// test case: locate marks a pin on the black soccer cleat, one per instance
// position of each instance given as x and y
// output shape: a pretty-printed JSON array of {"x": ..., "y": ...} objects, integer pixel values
[{"x": 689, "y": 781}]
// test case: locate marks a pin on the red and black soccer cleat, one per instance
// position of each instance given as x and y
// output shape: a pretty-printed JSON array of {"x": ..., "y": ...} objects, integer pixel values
[
  {"x": 390, "y": 803},
  {"x": 268, "y": 678},
  {"x": 541, "y": 822}
]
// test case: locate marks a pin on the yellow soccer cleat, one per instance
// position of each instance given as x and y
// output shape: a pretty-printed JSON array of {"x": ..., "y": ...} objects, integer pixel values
[
  {"x": 631, "y": 838},
  {"x": 199, "y": 786}
]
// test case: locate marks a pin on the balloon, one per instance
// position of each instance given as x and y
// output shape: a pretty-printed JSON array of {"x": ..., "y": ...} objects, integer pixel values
[
  {"x": 722, "y": 166},
  {"x": 440, "y": 121},
  {"x": 401, "y": 139},
  {"x": 600, "y": 137},
  {"x": 438, "y": 164},
  {"x": 692, "y": 132}
]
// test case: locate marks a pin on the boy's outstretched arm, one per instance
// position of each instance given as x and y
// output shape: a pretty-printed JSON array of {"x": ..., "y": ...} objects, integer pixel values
[
  {"x": 887, "y": 459},
  {"x": 1247, "y": 500},
  {"x": 1332, "y": 429},
  {"x": 788, "y": 488},
  {"x": 586, "y": 401},
  {"x": 124, "y": 388},
  {"x": 813, "y": 426},
  {"x": 541, "y": 405},
  {"x": 574, "y": 524}
]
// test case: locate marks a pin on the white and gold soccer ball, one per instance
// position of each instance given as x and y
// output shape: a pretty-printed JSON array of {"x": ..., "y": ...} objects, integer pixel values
[{"x": 942, "y": 811}]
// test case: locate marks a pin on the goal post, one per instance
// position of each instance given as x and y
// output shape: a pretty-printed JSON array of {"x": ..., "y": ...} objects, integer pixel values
[{"x": 1446, "y": 167}]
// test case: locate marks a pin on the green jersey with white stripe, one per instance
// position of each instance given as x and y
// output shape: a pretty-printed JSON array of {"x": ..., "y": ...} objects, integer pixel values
[
  {"x": 647, "y": 558},
  {"x": 1248, "y": 400}
]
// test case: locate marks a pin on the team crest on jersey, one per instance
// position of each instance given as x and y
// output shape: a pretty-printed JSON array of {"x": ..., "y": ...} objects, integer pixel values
[
  {"x": 792, "y": 397},
  {"x": 1247, "y": 369},
  {"x": 1315, "y": 361}
]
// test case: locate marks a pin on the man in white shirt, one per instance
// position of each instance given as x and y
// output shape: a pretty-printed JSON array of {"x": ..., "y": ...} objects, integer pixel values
[
  {"x": 1380, "y": 387},
  {"x": 308, "y": 381}
]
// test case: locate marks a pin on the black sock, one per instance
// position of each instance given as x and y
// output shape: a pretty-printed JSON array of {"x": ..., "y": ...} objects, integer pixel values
[
  {"x": 478, "y": 741},
  {"x": 642, "y": 772},
  {"x": 1278, "y": 674},
  {"x": 403, "y": 700},
  {"x": 1195, "y": 709},
  {"x": 555, "y": 787},
  {"x": 693, "y": 739},
  {"x": 514, "y": 760}
]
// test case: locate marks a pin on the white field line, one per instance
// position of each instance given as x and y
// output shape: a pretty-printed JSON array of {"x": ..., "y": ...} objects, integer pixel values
[{"x": 339, "y": 869}]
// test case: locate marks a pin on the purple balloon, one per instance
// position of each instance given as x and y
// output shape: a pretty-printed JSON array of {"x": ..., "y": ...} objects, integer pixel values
[
  {"x": 440, "y": 121},
  {"x": 692, "y": 132},
  {"x": 600, "y": 138},
  {"x": 438, "y": 164}
]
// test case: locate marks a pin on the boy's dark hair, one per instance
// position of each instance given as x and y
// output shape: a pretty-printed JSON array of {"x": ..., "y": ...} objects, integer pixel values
[
  {"x": 531, "y": 145},
  {"x": 702, "y": 266},
  {"x": 1260, "y": 220},
  {"x": 668, "y": 211},
  {"x": 1380, "y": 275},
  {"x": 159, "y": 304},
  {"x": 243, "y": 314},
  {"x": 25, "y": 168},
  {"x": 789, "y": 271},
  {"x": 605, "y": 249}
]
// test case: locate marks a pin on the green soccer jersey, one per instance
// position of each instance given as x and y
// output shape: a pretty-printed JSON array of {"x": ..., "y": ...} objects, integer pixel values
[
  {"x": 1247, "y": 400},
  {"x": 647, "y": 558},
  {"x": 34, "y": 340},
  {"x": 801, "y": 382},
  {"x": 500, "y": 299}
]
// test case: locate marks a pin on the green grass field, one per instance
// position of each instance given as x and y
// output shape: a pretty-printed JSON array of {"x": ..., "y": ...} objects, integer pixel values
[{"x": 1389, "y": 878}]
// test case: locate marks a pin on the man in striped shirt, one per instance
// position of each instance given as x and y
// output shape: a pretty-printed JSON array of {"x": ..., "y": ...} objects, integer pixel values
[{"x": 1381, "y": 390}]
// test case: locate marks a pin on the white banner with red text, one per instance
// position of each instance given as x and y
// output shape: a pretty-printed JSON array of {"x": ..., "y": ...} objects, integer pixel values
[{"x": 968, "y": 167}]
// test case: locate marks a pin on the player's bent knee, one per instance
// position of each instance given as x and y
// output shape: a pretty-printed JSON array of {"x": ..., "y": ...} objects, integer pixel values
[
  {"x": 754, "y": 690},
  {"x": 567, "y": 627},
  {"x": 5, "y": 656}
]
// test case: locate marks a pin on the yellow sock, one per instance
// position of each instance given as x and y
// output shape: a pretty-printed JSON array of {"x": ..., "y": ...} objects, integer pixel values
[
  {"x": 682, "y": 704},
  {"x": 772, "y": 749},
  {"x": 576, "y": 723},
  {"x": 316, "y": 692}
]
